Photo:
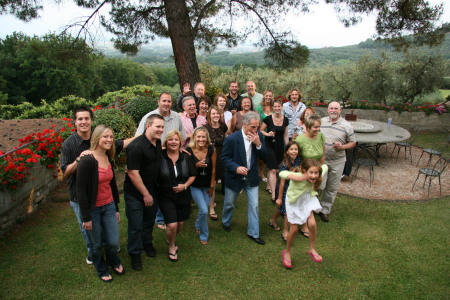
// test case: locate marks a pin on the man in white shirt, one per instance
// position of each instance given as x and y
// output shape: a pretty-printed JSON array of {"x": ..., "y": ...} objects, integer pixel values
[
  {"x": 172, "y": 120},
  {"x": 251, "y": 92}
]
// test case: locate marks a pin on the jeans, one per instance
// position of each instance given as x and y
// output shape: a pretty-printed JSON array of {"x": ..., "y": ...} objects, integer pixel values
[
  {"x": 159, "y": 217},
  {"x": 76, "y": 208},
  {"x": 104, "y": 228},
  {"x": 201, "y": 199},
  {"x": 140, "y": 223},
  {"x": 253, "y": 214}
]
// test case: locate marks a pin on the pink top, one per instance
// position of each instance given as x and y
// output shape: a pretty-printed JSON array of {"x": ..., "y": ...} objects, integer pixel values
[
  {"x": 187, "y": 124},
  {"x": 104, "y": 195}
]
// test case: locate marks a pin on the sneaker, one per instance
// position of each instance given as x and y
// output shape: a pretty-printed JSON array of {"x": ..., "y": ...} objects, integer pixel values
[
  {"x": 149, "y": 250},
  {"x": 136, "y": 262},
  {"x": 89, "y": 260}
]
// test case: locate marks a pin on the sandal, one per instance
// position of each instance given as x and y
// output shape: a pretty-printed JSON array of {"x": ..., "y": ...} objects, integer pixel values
[
  {"x": 286, "y": 263},
  {"x": 305, "y": 234},
  {"x": 213, "y": 217},
  {"x": 116, "y": 270},
  {"x": 275, "y": 227},
  {"x": 106, "y": 279},
  {"x": 315, "y": 257},
  {"x": 173, "y": 256},
  {"x": 268, "y": 189}
]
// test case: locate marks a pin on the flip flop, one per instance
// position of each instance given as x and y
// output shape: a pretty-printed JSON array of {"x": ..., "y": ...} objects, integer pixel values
[
  {"x": 173, "y": 256},
  {"x": 305, "y": 234},
  {"x": 317, "y": 258},
  {"x": 287, "y": 264},
  {"x": 213, "y": 217},
  {"x": 269, "y": 190},
  {"x": 275, "y": 227}
]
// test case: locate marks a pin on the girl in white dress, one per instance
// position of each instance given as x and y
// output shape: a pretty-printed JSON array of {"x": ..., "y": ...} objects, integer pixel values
[{"x": 301, "y": 203}]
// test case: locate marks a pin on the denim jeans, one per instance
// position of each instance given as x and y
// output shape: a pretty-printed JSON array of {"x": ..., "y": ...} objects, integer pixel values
[
  {"x": 76, "y": 208},
  {"x": 104, "y": 228},
  {"x": 159, "y": 217},
  {"x": 253, "y": 214},
  {"x": 140, "y": 223},
  {"x": 201, "y": 199}
]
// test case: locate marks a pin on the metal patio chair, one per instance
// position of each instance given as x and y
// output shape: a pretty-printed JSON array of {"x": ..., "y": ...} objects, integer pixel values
[{"x": 431, "y": 173}]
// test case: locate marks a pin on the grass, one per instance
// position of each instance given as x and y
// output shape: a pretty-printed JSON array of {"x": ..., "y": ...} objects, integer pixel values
[
  {"x": 371, "y": 250},
  {"x": 445, "y": 93},
  {"x": 434, "y": 140}
]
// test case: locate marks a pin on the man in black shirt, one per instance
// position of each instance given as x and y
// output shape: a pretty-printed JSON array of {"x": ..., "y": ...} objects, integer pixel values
[
  {"x": 234, "y": 99},
  {"x": 74, "y": 147},
  {"x": 143, "y": 164}
]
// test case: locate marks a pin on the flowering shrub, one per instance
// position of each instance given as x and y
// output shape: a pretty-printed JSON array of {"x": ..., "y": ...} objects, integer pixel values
[
  {"x": 283, "y": 99},
  {"x": 14, "y": 167},
  {"x": 43, "y": 147}
]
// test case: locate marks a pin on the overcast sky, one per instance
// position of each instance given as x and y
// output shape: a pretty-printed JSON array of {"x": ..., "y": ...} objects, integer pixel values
[{"x": 318, "y": 28}]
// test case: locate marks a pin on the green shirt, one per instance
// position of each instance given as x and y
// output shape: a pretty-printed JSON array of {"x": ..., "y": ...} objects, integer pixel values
[
  {"x": 311, "y": 148},
  {"x": 298, "y": 188}
]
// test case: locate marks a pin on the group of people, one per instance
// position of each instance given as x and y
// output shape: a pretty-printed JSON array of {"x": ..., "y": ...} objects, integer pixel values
[{"x": 178, "y": 158}]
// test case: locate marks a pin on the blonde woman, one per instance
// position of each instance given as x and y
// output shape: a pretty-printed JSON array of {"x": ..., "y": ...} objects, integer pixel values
[
  {"x": 176, "y": 176},
  {"x": 204, "y": 157},
  {"x": 98, "y": 198}
]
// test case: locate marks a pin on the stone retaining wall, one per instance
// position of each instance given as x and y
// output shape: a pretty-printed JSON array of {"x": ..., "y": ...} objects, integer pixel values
[
  {"x": 16, "y": 205},
  {"x": 416, "y": 121}
]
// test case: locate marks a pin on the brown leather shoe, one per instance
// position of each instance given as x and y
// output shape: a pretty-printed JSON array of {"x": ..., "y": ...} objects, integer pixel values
[{"x": 324, "y": 217}]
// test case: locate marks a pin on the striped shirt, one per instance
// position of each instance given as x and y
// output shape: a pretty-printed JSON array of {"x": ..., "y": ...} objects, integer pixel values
[
  {"x": 171, "y": 122},
  {"x": 339, "y": 131}
]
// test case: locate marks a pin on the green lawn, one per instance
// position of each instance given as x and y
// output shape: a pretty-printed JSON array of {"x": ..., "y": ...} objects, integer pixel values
[
  {"x": 445, "y": 93},
  {"x": 370, "y": 249},
  {"x": 434, "y": 140}
]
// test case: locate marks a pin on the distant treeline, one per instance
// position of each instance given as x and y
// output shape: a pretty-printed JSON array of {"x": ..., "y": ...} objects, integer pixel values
[{"x": 317, "y": 57}]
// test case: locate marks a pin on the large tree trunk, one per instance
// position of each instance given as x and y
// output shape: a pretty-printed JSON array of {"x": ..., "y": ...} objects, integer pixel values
[{"x": 182, "y": 37}]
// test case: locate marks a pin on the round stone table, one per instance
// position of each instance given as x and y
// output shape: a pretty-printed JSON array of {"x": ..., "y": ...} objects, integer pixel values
[{"x": 368, "y": 131}]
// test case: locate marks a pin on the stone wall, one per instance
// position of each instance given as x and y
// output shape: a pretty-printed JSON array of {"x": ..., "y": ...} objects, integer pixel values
[
  {"x": 416, "y": 121},
  {"x": 16, "y": 205}
]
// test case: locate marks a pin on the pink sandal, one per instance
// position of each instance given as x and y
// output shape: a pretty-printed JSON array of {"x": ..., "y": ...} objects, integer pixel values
[
  {"x": 317, "y": 258},
  {"x": 285, "y": 261}
]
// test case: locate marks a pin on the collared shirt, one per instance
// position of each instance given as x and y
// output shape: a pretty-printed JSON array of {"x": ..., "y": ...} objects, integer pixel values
[
  {"x": 145, "y": 157},
  {"x": 248, "y": 148},
  {"x": 339, "y": 131},
  {"x": 293, "y": 115},
  {"x": 70, "y": 150},
  {"x": 171, "y": 122},
  {"x": 234, "y": 103},
  {"x": 187, "y": 123},
  {"x": 256, "y": 99}
]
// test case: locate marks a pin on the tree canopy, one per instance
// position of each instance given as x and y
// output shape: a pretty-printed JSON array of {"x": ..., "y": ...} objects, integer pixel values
[
  {"x": 53, "y": 66},
  {"x": 205, "y": 24}
]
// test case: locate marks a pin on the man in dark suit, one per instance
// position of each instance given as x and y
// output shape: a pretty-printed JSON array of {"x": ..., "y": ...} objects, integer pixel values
[{"x": 239, "y": 154}]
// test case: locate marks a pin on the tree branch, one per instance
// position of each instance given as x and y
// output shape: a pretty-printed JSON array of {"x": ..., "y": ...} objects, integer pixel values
[
  {"x": 261, "y": 19},
  {"x": 200, "y": 17}
]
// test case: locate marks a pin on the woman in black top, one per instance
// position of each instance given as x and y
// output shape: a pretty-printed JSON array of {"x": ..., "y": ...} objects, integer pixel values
[
  {"x": 176, "y": 175},
  {"x": 204, "y": 156},
  {"x": 276, "y": 138},
  {"x": 217, "y": 131}
]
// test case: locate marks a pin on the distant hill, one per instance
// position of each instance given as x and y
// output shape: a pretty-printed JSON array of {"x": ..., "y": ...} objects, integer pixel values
[{"x": 162, "y": 55}]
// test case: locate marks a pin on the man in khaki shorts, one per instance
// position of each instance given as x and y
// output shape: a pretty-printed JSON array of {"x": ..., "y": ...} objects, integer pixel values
[{"x": 339, "y": 136}]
